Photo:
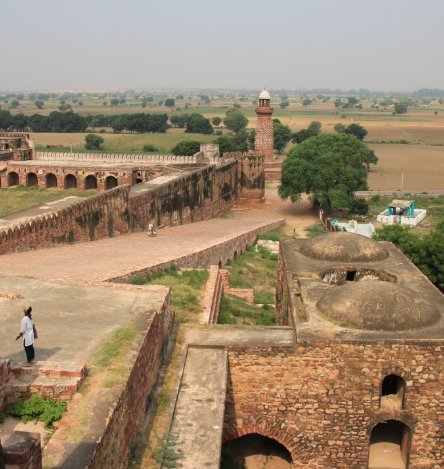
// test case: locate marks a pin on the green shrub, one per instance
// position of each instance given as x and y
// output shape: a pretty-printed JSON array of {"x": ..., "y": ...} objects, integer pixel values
[
  {"x": 36, "y": 408},
  {"x": 271, "y": 236},
  {"x": 376, "y": 199},
  {"x": 149, "y": 147}
]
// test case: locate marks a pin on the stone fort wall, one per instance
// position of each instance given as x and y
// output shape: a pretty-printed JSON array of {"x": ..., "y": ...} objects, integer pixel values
[
  {"x": 321, "y": 399},
  {"x": 198, "y": 195}
]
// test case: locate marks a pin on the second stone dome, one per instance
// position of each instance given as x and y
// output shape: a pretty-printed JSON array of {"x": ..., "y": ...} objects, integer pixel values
[{"x": 344, "y": 247}]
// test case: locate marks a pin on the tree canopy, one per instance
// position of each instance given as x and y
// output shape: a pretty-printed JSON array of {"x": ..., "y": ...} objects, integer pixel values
[
  {"x": 353, "y": 129},
  {"x": 281, "y": 135},
  {"x": 235, "y": 120},
  {"x": 170, "y": 102},
  {"x": 93, "y": 141},
  {"x": 198, "y": 124},
  {"x": 330, "y": 167},
  {"x": 186, "y": 148},
  {"x": 400, "y": 108}
]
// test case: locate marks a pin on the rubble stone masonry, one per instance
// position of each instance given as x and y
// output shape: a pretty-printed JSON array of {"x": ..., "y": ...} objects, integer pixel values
[{"x": 321, "y": 399}]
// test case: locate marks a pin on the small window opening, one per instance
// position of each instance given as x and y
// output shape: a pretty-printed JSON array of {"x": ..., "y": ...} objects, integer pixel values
[
  {"x": 220, "y": 264},
  {"x": 235, "y": 255},
  {"x": 392, "y": 393},
  {"x": 351, "y": 274},
  {"x": 138, "y": 181}
]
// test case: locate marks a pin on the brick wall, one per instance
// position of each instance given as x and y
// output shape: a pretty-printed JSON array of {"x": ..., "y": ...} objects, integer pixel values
[
  {"x": 5, "y": 375},
  {"x": 21, "y": 450},
  {"x": 322, "y": 399},
  {"x": 127, "y": 415},
  {"x": 212, "y": 296}
]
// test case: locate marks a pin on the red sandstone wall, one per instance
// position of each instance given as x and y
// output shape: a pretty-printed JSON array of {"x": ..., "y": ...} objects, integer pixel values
[
  {"x": 23, "y": 453},
  {"x": 212, "y": 297},
  {"x": 96, "y": 217},
  {"x": 127, "y": 415},
  {"x": 321, "y": 399}
]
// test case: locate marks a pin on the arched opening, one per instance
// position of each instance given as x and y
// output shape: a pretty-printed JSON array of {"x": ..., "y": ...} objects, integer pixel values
[
  {"x": 220, "y": 264},
  {"x": 254, "y": 451},
  {"x": 110, "y": 182},
  {"x": 31, "y": 180},
  {"x": 392, "y": 392},
  {"x": 70, "y": 182},
  {"x": 139, "y": 180},
  {"x": 90, "y": 182},
  {"x": 51, "y": 181},
  {"x": 13, "y": 179},
  {"x": 389, "y": 445},
  {"x": 235, "y": 255}
]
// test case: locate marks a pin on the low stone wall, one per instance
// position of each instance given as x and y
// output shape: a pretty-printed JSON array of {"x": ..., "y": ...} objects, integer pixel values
[
  {"x": 212, "y": 297},
  {"x": 322, "y": 399},
  {"x": 5, "y": 375},
  {"x": 245, "y": 293},
  {"x": 21, "y": 450},
  {"x": 115, "y": 158},
  {"x": 217, "y": 254}
]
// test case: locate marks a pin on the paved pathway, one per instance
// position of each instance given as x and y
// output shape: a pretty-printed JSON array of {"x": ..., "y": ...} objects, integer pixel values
[{"x": 112, "y": 257}]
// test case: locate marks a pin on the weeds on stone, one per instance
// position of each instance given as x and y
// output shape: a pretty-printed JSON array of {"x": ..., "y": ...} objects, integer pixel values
[
  {"x": 166, "y": 452},
  {"x": 36, "y": 408}
]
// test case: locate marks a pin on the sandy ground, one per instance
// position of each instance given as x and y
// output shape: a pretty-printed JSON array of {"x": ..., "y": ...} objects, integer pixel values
[
  {"x": 298, "y": 215},
  {"x": 15, "y": 424}
]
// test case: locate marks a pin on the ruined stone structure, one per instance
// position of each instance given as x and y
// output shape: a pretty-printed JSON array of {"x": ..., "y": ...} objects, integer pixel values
[
  {"x": 264, "y": 128},
  {"x": 16, "y": 146}
]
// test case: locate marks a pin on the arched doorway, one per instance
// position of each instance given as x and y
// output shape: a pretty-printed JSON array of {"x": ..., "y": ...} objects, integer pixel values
[
  {"x": 90, "y": 182},
  {"x": 13, "y": 179},
  {"x": 389, "y": 445},
  {"x": 51, "y": 181},
  {"x": 31, "y": 180},
  {"x": 70, "y": 182},
  {"x": 110, "y": 183},
  {"x": 254, "y": 450}
]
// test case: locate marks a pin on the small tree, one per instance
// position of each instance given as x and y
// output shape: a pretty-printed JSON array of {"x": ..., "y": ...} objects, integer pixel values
[
  {"x": 357, "y": 130},
  {"x": 114, "y": 102},
  {"x": 235, "y": 120},
  {"x": 186, "y": 148},
  {"x": 14, "y": 104},
  {"x": 281, "y": 135},
  {"x": 316, "y": 126},
  {"x": 284, "y": 104},
  {"x": 337, "y": 102},
  {"x": 170, "y": 102},
  {"x": 216, "y": 121},
  {"x": 306, "y": 102},
  {"x": 400, "y": 108},
  {"x": 93, "y": 142},
  {"x": 105, "y": 103},
  {"x": 39, "y": 104}
]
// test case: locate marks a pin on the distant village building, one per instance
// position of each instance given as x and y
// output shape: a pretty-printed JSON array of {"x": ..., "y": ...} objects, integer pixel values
[{"x": 402, "y": 212}]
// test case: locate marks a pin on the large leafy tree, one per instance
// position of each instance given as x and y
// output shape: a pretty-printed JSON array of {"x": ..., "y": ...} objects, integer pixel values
[
  {"x": 329, "y": 167},
  {"x": 198, "y": 124},
  {"x": 282, "y": 135},
  {"x": 235, "y": 120},
  {"x": 186, "y": 148}
]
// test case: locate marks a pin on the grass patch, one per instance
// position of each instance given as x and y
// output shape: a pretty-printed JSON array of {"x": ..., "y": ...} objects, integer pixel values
[
  {"x": 107, "y": 363},
  {"x": 128, "y": 143},
  {"x": 234, "y": 310},
  {"x": 275, "y": 235},
  {"x": 187, "y": 289},
  {"x": 21, "y": 197},
  {"x": 315, "y": 230}
]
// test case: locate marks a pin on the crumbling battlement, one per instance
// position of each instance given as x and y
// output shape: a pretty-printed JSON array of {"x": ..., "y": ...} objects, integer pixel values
[{"x": 5, "y": 375}]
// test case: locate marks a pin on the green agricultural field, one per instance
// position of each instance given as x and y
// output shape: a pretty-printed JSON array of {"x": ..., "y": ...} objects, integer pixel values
[{"x": 21, "y": 198}]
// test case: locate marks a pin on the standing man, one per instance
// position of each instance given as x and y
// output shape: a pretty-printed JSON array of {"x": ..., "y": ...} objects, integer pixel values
[{"x": 27, "y": 332}]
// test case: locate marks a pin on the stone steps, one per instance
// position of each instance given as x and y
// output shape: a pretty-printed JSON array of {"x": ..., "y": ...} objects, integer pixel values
[{"x": 50, "y": 368}]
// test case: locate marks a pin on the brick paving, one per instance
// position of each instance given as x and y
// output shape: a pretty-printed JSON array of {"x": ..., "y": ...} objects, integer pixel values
[{"x": 111, "y": 257}]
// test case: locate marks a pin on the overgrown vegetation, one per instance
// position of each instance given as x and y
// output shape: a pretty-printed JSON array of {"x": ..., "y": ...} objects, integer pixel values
[
  {"x": 166, "y": 452},
  {"x": 315, "y": 230},
  {"x": 21, "y": 197},
  {"x": 186, "y": 289},
  {"x": 234, "y": 310},
  {"x": 36, "y": 408},
  {"x": 107, "y": 363}
]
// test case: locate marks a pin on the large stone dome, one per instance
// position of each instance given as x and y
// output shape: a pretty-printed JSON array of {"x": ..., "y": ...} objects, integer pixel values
[
  {"x": 378, "y": 306},
  {"x": 344, "y": 247}
]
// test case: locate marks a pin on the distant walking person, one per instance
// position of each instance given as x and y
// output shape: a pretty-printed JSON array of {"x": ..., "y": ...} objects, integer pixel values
[
  {"x": 28, "y": 332},
  {"x": 151, "y": 231}
]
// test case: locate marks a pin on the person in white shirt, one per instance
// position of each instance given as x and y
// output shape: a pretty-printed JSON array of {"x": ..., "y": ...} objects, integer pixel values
[{"x": 27, "y": 332}]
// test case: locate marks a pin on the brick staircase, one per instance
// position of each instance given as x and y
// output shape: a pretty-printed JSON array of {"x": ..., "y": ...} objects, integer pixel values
[{"x": 55, "y": 380}]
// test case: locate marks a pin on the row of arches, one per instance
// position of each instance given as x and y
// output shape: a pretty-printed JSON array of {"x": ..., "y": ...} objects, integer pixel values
[
  {"x": 389, "y": 447},
  {"x": 70, "y": 181}
]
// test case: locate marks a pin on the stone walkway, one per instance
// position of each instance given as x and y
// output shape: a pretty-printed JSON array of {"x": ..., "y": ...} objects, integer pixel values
[{"x": 112, "y": 257}]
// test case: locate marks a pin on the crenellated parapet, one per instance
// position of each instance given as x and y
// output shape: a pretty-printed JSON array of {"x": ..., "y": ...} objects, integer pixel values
[{"x": 117, "y": 158}]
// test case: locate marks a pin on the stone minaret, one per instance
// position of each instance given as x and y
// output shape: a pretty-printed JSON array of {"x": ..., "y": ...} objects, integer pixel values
[{"x": 264, "y": 128}]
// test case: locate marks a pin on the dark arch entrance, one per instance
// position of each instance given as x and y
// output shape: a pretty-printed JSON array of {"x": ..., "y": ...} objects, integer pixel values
[
  {"x": 90, "y": 182},
  {"x": 13, "y": 179},
  {"x": 51, "y": 181},
  {"x": 70, "y": 182},
  {"x": 31, "y": 180},
  {"x": 389, "y": 445},
  {"x": 255, "y": 450},
  {"x": 110, "y": 183},
  {"x": 392, "y": 392}
]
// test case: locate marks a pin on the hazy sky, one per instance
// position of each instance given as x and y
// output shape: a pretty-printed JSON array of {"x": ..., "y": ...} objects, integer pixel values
[{"x": 376, "y": 44}]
